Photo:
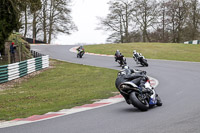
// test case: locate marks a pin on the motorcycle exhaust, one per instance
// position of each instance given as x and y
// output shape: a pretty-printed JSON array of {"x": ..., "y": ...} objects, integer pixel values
[{"x": 127, "y": 87}]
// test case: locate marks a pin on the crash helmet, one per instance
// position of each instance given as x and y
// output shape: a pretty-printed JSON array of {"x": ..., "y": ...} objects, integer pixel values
[{"x": 125, "y": 67}]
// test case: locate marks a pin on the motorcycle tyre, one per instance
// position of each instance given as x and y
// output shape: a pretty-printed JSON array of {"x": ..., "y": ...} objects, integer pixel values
[
  {"x": 137, "y": 103},
  {"x": 145, "y": 63},
  {"x": 159, "y": 102},
  {"x": 120, "y": 63}
]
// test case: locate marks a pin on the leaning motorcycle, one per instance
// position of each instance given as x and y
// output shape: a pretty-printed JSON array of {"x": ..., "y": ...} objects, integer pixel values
[
  {"x": 133, "y": 95},
  {"x": 121, "y": 61},
  {"x": 139, "y": 59},
  {"x": 80, "y": 53}
]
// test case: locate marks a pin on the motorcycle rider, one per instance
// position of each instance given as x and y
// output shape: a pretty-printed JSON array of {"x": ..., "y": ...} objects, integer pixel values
[
  {"x": 137, "y": 77},
  {"x": 80, "y": 48},
  {"x": 118, "y": 56},
  {"x": 136, "y": 55}
]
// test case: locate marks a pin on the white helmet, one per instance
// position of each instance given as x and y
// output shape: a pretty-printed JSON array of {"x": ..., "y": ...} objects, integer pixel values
[{"x": 126, "y": 67}]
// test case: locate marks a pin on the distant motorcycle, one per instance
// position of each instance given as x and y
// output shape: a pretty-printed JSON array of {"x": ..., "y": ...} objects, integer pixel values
[
  {"x": 139, "y": 59},
  {"x": 130, "y": 90},
  {"x": 121, "y": 60},
  {"x": 80, "y": 53}
]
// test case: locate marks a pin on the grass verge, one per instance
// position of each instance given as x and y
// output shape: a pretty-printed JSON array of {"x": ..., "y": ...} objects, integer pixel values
[
  {"x": 3, "y": 63},
  {"x": 167, "y": 51},
  {"x": 64, "y": 86}
]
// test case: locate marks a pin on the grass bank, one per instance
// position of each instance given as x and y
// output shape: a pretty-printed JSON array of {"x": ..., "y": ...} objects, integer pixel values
[
  {"x": 3, "y": 62},
  {"x": 167, "y": 51},
  {"x": 64, "y": 86}
]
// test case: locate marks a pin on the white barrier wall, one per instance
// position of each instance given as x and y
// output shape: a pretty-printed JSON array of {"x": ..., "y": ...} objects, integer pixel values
[{"x": 20, "y": 69}]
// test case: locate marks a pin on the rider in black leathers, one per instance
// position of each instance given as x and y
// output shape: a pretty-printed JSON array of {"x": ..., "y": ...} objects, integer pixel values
[
  {"x": 80, "y": 48},
  {"x": 137, "y": 77},
  {"x": 118, "y": 56}
]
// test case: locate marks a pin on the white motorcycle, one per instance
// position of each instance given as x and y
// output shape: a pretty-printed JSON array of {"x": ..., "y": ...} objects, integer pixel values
[
  {"x": 139, "y": 59},
  {"x": 133, "y": 95}
]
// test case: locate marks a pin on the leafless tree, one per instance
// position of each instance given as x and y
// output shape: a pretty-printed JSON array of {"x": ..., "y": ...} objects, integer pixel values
[
  {"x": 50, "y": 19},
  {"x": 163, "y": 18},
  {"x": 118, "y": 20},
  {"x": 146, "y": 14},
  {"x": 176, "y": 16},
  {"x": 192, "y": 29},
  {"x": 60, "y": 20}
]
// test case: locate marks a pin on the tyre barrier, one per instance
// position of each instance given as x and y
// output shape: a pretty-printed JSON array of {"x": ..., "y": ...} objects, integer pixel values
[{"x": 20, "y": 69}]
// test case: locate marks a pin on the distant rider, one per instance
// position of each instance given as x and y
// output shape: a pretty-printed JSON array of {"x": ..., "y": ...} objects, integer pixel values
[
  {"x": 118, "y": 56},
  {"x": 80, "y": 48},
  {"x": 136, "y": 56}
]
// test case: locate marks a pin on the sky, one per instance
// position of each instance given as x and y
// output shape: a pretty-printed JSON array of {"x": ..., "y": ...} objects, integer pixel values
[{"x": 84, "y": 14}]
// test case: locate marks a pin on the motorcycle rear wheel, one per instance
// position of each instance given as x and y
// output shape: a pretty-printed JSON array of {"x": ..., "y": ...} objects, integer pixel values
[{"x": 141, "y": 104}]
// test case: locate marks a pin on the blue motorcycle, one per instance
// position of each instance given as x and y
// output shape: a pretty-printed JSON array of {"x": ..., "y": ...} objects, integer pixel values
[{"x": 132, "y": 93}]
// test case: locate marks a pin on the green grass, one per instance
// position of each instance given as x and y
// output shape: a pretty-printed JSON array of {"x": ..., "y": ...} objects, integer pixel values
[
  {"x": 64, "y": 86},
  {"x": 167, "y": 51},
  {"x": 3, "y": 62}
]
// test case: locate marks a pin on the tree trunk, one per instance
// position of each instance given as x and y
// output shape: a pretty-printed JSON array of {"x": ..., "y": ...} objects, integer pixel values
[
  {"x": 126, "y": 26},
  {"x": 179, "y": 35},
  {"x": 34, "y": 26},
  {"x": 144, "y": 34},
  {"x": 51, "y": 20},
  {"x": 25, "y": 15},
  {"x": 173, "y": 30},
  {"x": 163, "y": 25},
  {"x": 194, "y": 30},
  {"x": 121, "y": 31},
  {"x": 145, "y": 23},
  {"x": 148, "y": 38},
  {"x": 44, "y": 22},
  {"x": 50, "y": 29}
]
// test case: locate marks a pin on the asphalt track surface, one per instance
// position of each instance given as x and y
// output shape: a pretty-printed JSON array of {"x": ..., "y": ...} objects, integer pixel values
[{"x": 178, "y": 88}]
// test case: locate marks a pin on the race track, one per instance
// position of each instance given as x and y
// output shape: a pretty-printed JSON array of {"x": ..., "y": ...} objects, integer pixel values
[{"x": 178, "y": 88}]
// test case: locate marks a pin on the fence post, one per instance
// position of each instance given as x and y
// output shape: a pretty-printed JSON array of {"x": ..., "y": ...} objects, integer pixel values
[{"x": 7, "y": 50}]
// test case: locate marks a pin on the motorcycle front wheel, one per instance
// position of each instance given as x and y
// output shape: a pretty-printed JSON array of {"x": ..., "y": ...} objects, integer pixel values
[
  {"x": 138, "y": 101},
  {"x": 159, "y": 102},
  {"x": 145, "y": 63}
]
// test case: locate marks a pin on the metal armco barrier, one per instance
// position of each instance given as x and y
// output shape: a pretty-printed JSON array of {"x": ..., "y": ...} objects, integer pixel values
[
  {"x": 36, "y": 54},
  {"x": 20, "y": 69}
]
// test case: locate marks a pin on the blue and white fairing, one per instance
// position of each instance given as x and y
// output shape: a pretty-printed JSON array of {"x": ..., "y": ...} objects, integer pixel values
[{"x": 152, "y": 100}]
